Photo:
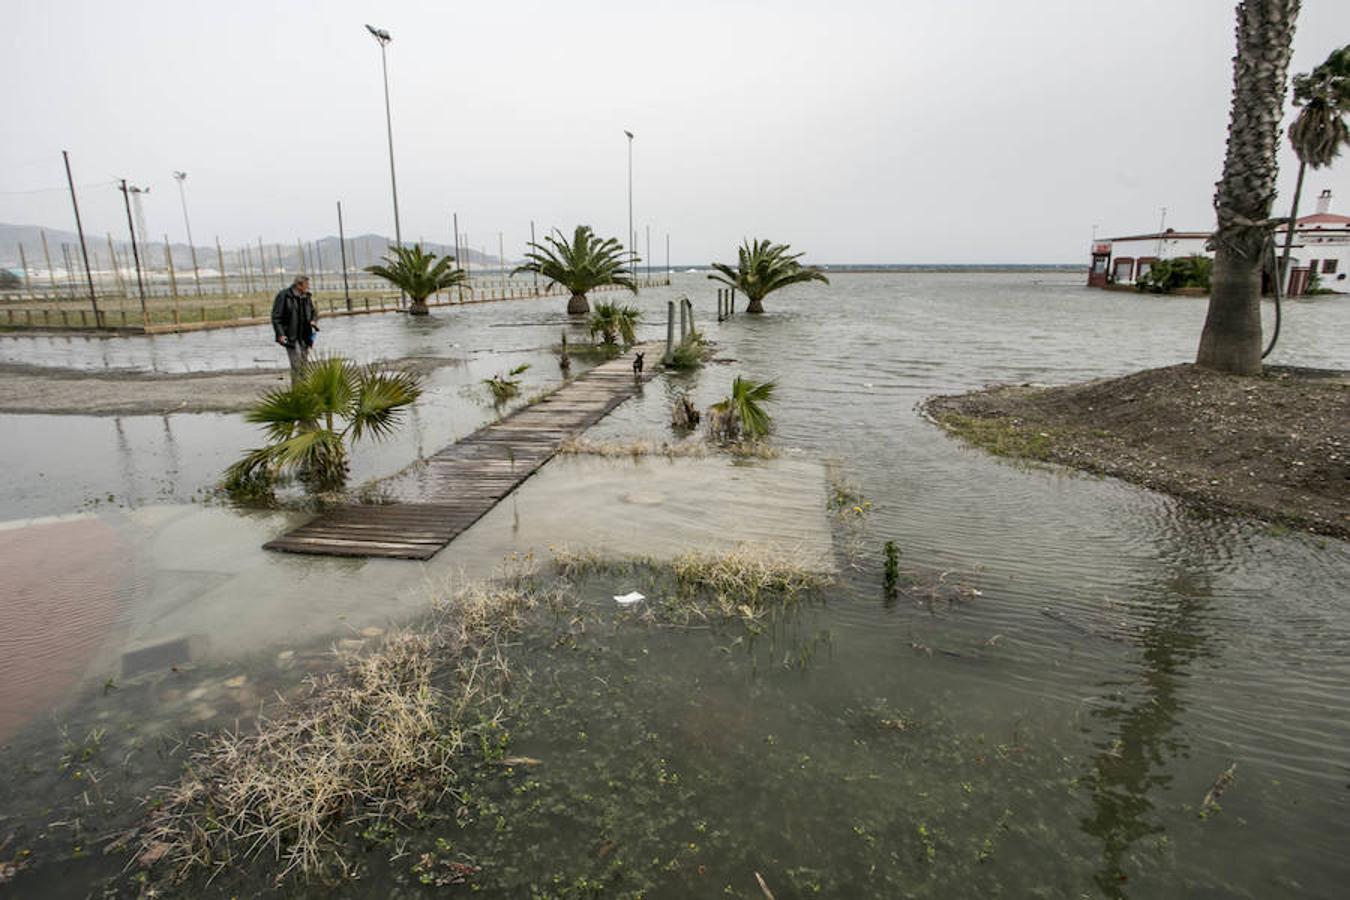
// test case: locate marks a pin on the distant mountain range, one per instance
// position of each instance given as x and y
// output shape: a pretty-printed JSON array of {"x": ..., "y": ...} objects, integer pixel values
[
  {"x": 362, "y": 250},
  {"x": 323, "y": 255}
]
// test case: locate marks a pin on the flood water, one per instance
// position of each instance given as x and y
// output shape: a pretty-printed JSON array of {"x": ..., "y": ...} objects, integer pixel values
[{"x": 1052, "y": 735}]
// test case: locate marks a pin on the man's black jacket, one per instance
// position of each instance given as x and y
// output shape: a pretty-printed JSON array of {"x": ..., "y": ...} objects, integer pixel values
[{"x": 291, "y": 314}]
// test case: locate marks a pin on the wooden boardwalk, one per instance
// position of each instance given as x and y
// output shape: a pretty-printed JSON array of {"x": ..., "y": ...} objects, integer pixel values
[{"x": 461, "y": 482}]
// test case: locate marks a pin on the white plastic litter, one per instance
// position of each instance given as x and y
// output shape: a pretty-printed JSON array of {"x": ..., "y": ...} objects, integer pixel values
[{"x": 628, "y": 599}]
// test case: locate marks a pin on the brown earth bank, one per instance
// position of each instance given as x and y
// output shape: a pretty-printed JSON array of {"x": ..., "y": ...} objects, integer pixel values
[{"x": 1274, "y": 446}]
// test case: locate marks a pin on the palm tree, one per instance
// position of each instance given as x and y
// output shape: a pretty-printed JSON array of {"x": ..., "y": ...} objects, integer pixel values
[
  {"x": 1231, "y": 339},
  {"x": 418, "y": 274},
  {"x": 763, "y": 268},
  {"x": 581, "y": 266},
  {"x": 612, "y": 321},
  {"x": 1319, "y": 132},
  {"x": 307, "y": 424},
  {"x": 742, "y": 415}
]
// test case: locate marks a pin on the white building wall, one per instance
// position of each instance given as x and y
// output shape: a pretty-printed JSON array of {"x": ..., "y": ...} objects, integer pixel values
[{"x": 1166, "y": 248}]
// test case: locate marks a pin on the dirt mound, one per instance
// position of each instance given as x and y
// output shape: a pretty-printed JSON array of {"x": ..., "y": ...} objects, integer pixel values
[{"x": 1276, "y": 446}]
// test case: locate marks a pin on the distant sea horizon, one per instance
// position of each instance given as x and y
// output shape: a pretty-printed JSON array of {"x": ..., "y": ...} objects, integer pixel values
[{"x": 856, "y": 268}]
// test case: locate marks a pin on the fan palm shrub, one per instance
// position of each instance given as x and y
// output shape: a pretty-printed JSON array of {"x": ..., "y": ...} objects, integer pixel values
[
  {"x": 588, "y": 262},
  {"x": 504, "y": 387},
  {"x": 612, "y": 321},
  {"x": 1319, "y": 132},
  {"x": 418, "y": 274},
  {"x": 741, "y": 415},
  {"x": 334, "y": 402},
  {"x": 762, "y": 268}
]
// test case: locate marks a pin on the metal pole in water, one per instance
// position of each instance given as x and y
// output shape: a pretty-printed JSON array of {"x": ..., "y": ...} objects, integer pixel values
[{"x": 670, "y": 331}]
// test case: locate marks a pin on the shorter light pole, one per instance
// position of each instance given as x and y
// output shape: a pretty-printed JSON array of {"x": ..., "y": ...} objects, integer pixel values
[
  {"x": 135, "y": 254},
  {"x": 180, "y": 177}
]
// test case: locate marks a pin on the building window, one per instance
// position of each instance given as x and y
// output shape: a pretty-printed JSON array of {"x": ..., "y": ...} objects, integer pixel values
[
  {"x": 1144, "y": 267},
  {"x": 1329, "y": 266},
  {"x": 1123, "y": 270}
]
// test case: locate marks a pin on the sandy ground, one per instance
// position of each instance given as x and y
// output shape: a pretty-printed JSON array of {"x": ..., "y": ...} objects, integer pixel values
[
  {"x": 38, "y": 389},
  {"x": 29, "y": 389},
  {"x": 1276, "y": 447}
]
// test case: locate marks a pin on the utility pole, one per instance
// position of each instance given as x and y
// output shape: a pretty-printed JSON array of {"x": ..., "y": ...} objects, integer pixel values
[
  {"x": 501, "y": 257},
  {"x": 667, "y": 257},
  {"x": 262, "y": 265},
  {"x": 180, "y": 177},
  {"x": 23, "y": 263},
  {"x": 135, "y": 254},
  {"x": 117, "y": 267},
  {"x": 84, "y": 248},
  {"x": 342, "y": 246},
  {"x": 173, "y": 277},
  {"x": 536, "y": 274},
  {"x": 647, "y": 263},
  {"x": 51, "y": 272},
  {"x": 220, "y": 260}
]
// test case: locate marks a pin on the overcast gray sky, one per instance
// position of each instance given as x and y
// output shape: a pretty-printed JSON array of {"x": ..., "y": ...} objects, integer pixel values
[{"x": 954, "y": 131}]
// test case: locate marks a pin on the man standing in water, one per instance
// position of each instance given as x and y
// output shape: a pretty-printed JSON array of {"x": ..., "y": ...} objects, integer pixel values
[{"x": 295, "y": 321}]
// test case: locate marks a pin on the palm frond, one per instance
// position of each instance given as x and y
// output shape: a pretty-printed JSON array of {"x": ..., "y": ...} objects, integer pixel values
[
  {"x": 379, "y": 400},
  {"x": 255, "y": 463},
  {"x": 331, "y": 382},
  {"x": 285, "y": 410},
  {"x": 315, "y": 449}
]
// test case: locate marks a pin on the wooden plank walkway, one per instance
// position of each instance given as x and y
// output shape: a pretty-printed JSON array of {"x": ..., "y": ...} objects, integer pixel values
[{"x": 461, "y": 482}]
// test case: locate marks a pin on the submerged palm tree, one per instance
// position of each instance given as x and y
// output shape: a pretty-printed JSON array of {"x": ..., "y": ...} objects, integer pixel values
[
  {"x": 742, "y": 414},
  {"x": 612, "y": 321},
  {"x": 309, "y": 424},
  {"x": 1319, "y": 132},
  {"x": 762, "y": 268},
  {"x": 581, "y": 266},
  {"x": 418, "y": 274},
  {"x": 1231, "y": 339}
]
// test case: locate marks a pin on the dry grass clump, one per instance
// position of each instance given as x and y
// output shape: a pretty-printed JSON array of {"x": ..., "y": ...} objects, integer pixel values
[
  {"x": 580, "y": 446},
  {"x": 743, "y": 583},
  {"x": 693, "y": 448},
  {"x": 746, "y": 580},
  {"x": 372, "y": 744}
]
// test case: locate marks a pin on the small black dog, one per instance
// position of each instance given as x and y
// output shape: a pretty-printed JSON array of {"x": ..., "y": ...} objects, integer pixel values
[{"x": 637, "y": 364}]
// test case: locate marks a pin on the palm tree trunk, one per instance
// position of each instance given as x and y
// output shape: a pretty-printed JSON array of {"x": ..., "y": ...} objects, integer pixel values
[
  {"x": 578, "y": 306},
  {"x": 755, "y": 306},
  {"x": 1283, "y": 274},
  {"x": 418, "y": 307},
  {"x": 1231, "y": 340}
]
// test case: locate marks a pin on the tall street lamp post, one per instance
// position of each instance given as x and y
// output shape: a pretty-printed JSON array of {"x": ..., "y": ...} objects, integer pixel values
[
  {"x": 383, "y": 38},
  {"x": 630, "y": 240},
  {"x": 180, "y": 177}
]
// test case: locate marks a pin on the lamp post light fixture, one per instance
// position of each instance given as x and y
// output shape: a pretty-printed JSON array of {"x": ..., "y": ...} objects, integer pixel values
[
  {"x": 631, "y": 239},
  {"x": 180, "y": 177},
  {"x": 383, "y": 38}
]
